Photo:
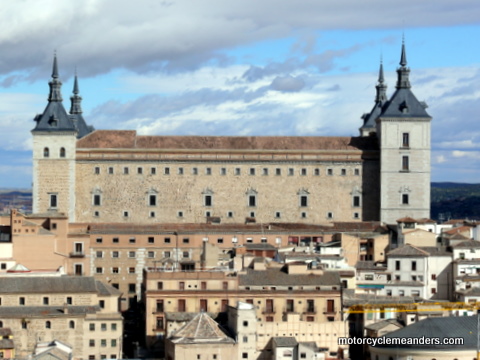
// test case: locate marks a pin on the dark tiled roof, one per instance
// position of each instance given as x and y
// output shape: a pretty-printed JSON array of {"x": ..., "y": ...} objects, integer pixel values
[
  {"x": 106, "y": 289},
  {"x": 408, "y": 250},
  {"x": 469, "y": 244},
  {"x": 277, "y": 277},
  {"x": 384, "y": 323},
  {"x": 285, "y": 341},
  {"x": 6, "y": 344},
  {"x": 46, "y": 285},
  {"x": 404, "y": 98},
  {"x": 5, "y": 332},
  {"x": 464, "y": 327},
  {"x": 370, "y": 265}
]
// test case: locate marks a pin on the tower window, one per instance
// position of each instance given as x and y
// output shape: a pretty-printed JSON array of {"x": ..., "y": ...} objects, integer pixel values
[
  {"x": 62, "y": 152},
  {"x": 303, "y": 200},
  {"x": 252, "y": 200},
  {"x": 208, "y": 200},
  {"x": 405, "y": 163},
  {"x": 230, "y": 214},
  {"x": 405, "y": 199},
  {"x": 406, "y": 140},
  {"x": 46, "y": 152},
  {"x": 152, "y": 200},
  {"x": 53, "y": 200},
  {"x": 356, "y": 201},
  {"x": 97, "y": 199}
]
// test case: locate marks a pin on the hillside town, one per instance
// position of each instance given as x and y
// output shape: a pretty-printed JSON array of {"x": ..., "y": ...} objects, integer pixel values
[{"x": 185, "y": 247}]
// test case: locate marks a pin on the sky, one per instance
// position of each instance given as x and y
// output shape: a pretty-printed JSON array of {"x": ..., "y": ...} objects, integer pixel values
[{"x": 249, "y": 67}]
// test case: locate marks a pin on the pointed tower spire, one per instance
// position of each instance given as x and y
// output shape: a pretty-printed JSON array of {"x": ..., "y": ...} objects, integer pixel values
[
  {"x": 381, "y": 86},
  {"x": 76, "y": 100},
  {"x": 403, "y": 71},
  {"x": 55, "y": 84}
]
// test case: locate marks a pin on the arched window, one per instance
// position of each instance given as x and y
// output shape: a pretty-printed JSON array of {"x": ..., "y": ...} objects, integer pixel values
[
  {"x": 71, "y": 324},
  {"x": 46, "y": 152},
  {"x": 48, "y": 325},
  {"x": 62, "y": 152}
]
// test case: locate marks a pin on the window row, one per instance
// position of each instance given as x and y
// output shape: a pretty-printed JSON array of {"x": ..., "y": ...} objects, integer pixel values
[
  {"x": 45, "y": 301},
  {"x": 61, "y": 153},
  {"x": 103, "y": 327},
  {"x": 252, "y": 171},
  {"x": 208, "y": 201},
  {"x": 103, "y": 343}
]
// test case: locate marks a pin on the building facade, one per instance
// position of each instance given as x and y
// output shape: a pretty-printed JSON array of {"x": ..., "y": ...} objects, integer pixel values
[{"x": 120, "y": 176}]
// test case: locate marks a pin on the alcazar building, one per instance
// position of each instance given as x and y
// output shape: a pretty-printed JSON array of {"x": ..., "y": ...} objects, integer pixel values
[{"x": 118, "y": 176}]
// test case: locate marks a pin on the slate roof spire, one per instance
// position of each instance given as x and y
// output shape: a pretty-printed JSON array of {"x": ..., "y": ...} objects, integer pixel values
[
  {"x": 403, "y": 71},
  {"x": 55, "y": 84},
  {"x": 76, "y": 99},
  {"x": 381, "y": 86}
]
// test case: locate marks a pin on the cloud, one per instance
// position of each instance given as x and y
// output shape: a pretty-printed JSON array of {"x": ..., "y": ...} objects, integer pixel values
[
  {"x": 151, "y": 35},
  {"x": 287, "y": 83}
]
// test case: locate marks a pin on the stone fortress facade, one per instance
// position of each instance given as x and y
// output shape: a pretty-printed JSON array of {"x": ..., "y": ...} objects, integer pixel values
[{"x": 113, "y": 176}]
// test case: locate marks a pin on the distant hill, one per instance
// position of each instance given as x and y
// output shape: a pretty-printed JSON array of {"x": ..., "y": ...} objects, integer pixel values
[{"x": 455, "y": 201}]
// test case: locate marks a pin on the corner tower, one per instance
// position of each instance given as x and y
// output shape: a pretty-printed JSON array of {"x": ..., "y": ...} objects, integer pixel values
[
  {"x": 54, "y": 140},
  {"x": 403, "y": 131}
]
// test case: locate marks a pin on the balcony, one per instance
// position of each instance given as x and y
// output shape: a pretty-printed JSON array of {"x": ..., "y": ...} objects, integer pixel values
[
  {"x": 77, "y": 254},
  {"x": 268, "y": 310},
  {"x": 329, "y": 311},
  {"x": 289, "y": 310},
  {"x": 310, "y": 310}
]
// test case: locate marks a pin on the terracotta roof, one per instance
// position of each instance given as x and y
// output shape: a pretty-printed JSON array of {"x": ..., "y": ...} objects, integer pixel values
[
  {"x": 201, "y": 329},
  {"x": 370, "y": 265},
  {"x": 128, "y": 139},
  {"x": 458, "y": 229},
  {"x": 426, "y": 221},
  {"x": 407, "y": 220}
]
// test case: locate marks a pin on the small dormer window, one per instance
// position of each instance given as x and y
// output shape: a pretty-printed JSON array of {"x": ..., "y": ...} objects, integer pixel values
[
  {"x": 53, "y": 122},
  {"x": 404, "y": 108}
]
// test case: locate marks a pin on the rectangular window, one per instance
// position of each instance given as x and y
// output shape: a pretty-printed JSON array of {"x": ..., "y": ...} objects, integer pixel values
[
  {"x": 166, "y": 254},
  {"x": 115, "y": 240},
  {"x": 110, "y": 170},
  {"x": 223, "y": 171},
  {"x": 405, "y": 199},
  {"x": 237, "y": 171},
  {"x": 97, "y": 170},
  {"x": 99, "y": 270},
  {"x": 291, "y": 172},
  {"x": 252, "y": 171},
  {"x": 113, "y": 342},
  {"x": 114, "y": 327},
  {"x": 131, "y": 288},
  {"x": 397, "y": 265},
  {"x": 356, "y": 172},
  {"x": 303, "y": 201},
  {"x": 69, "y": 300},
  {"x": 159, "y": 285},
  {"x": 151, "y": 254},
  {"x": 208, "y": 171},
  {"x": 194, "y": 171},
  {"x": 131, "y": 254},
  {"x": 131, "y": 270},
  {"x": 153, "y": 171},
  {"x": 252, "y": 200},
  {"x": 103, "y": 342},
  {"x": 91, "y": 343},
  {"x": 45, "y": 301},
  {"x": 151, "y": 240},
  {"x": 53, "y": 200},
  {"x": 405, "y": 163},
  {"x": 316, "y": 172},
  {"x": 166, "y": 171},
  {"x": 356, "y": 201},
  {"x": 166, "y": 240},
  {"x": 125, "y": 171},
  {"x": 132, "y": 240},
  {"x": 152, "y": 200},
  {"x": 186, "y": 240},
  {"x": 208, "y": 200},
  {"x": 139, "y": 171},
  {"x": 414, "y": 265},
  {"x": 278, "y": 171},
  {"x": 180, "y": 171},
  {"x": 115, "y": 270},
  {"x": 343, "y": 172},
  {"x": 97, "y": 200},
  {"x": 21, "y": 301},
  {"x": 329, "y": 172},
  {"x": 406, "y": 140},
  {"x": 103, "y": 327},
  {"x": 303, "y": 172},
  {"x": 92, "y": 326},
  {"x": 115, "y": 254},
  {"x": 265, "y": 171}
]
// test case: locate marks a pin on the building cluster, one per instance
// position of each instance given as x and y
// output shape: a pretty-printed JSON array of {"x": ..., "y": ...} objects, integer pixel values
[{"x": 234, "y": 247}]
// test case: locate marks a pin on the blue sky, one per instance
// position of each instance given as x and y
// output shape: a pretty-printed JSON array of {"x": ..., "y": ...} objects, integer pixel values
[{"x": 217, "y": 67}]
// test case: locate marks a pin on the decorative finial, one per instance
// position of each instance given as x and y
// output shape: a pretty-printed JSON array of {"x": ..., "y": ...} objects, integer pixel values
[
  {"x": 55, "y": 66},
  {"x": 381, "y": 78},
  {"x": 75, "y": 83},
  {"x": 403, "y": 58}
]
